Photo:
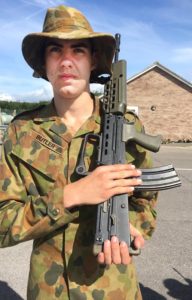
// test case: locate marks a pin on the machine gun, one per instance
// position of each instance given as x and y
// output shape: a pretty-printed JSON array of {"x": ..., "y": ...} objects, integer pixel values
[{"x": 116, "y": 131}]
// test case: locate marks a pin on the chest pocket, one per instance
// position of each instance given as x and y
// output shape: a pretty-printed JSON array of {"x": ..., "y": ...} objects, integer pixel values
[{"x": 39, "y": 162}]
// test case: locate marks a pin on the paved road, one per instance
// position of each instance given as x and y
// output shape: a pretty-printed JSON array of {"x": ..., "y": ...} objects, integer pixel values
[{"x": 165, "y": 266}]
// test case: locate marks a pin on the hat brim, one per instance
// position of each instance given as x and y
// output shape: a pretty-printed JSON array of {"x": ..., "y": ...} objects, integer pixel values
[{"x": 34, "y": 44}]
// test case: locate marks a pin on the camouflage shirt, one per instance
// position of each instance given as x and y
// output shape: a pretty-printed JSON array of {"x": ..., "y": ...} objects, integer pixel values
[{"x": 39, "y": 158}]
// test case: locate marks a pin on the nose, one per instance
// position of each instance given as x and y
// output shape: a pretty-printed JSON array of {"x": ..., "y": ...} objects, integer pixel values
[{"x": 66, "y": 58}]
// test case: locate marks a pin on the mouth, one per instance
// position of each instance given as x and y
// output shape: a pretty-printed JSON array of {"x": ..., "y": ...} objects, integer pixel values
[{"x": 66, "y": 76}]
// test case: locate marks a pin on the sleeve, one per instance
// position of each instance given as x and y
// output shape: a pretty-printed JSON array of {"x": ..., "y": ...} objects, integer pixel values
[
  {"x": 142, "y": 204},
  {"x": 26, "y": 215},
  {"x": 142, "y": 212}
]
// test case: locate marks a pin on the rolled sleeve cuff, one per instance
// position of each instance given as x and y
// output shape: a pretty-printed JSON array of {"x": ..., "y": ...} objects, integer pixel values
[{"x": 56, "y": 209}]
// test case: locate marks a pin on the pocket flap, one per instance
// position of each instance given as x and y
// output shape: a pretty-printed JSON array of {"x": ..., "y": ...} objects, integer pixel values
[{"x": 39, "y": 153}]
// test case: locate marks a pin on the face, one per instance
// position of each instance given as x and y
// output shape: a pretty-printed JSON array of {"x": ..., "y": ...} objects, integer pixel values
[{"x": 68, "y": 67}]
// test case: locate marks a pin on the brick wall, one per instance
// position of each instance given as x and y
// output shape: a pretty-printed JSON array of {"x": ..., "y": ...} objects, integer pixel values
[{"x": 171, "y": 101}]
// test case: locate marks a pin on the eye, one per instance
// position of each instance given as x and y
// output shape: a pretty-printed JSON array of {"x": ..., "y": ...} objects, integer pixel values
[
  {"x": 53, "y": 49},
  {"x": 79, "y": 50}
]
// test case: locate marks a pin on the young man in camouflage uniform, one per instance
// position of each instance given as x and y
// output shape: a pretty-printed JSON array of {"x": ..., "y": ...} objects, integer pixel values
[{"x": 41, "y": 196}]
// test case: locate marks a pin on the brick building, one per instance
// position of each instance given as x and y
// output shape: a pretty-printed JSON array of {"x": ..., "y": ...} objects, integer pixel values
[{"x": 164, "y": 102}]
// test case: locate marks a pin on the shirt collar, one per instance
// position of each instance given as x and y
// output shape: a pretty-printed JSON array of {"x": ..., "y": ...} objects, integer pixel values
[
  {"x": 48, "y": 114},
  {"x": 93, "y": 122}
]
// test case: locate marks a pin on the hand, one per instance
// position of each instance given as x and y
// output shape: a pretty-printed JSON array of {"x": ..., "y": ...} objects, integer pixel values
[
  {"x": 118, "y": 253},
  {"x": 100, "y": 185}
]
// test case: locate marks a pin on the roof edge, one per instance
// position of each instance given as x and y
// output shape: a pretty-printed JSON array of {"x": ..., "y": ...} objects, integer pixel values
[{"x": 160, "y": 66}]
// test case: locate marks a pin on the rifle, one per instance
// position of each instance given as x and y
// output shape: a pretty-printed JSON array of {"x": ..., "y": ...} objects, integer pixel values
[{"x": 116, "y": 131}]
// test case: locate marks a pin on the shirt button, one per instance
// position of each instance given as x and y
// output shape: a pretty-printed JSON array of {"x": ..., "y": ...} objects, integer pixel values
[{"x": 55, "y": 211}]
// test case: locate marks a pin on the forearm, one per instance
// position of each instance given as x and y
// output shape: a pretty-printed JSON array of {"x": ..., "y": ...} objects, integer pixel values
[
  {"x": 35, "y": 218},
  {"x": 31, "y": 202},
  {"x": 29, "y": 217}
]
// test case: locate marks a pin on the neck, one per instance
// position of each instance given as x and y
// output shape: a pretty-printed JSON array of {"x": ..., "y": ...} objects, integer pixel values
[{"x": 74, "y": 112}]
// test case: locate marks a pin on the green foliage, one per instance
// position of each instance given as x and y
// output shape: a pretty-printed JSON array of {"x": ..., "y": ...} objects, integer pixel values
[
  {"x": 11, "y": 107},
  {"x": 97, "y": 93},
  {"x": 15, "y": 107}
]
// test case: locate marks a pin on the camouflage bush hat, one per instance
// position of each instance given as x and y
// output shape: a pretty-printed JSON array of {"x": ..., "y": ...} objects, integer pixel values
[{"x": 67, "y": 23}]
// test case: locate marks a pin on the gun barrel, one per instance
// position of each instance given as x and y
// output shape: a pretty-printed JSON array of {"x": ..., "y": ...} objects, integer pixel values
[{"x": 117, "y": 49}]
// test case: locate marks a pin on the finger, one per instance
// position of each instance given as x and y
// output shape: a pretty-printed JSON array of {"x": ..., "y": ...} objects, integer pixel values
[
  {"x": 124, "y": 251},
  {"x": 121, "y": 167},
  {"x": 125, "y": 174},
  {"x": 107, "y": 252},
  {"x": 137, "y": 236},
  {"x": 101, "y": 258},
  {"x": 115, "y": 250},
  {"x": 134, "y": 231},
  {"x": 139, "y": 242},
  {"x": 116, "y": 168},
  {"x": 126, "y": 182},
  {"x": 116, "y": 171},
  {"x": 120, "y": 190}
]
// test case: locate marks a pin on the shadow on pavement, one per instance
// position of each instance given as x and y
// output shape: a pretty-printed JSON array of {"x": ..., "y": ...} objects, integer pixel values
[
  {"x": 177, "y": 289},
  {"x": 149, "y": 294},
  {"x": 7, "y": 293}
]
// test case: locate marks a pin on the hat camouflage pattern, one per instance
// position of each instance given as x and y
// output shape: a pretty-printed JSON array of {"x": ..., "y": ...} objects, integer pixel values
[{"x": 67, "y": 23}]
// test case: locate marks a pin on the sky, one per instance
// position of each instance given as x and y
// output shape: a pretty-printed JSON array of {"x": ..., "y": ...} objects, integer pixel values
[{"x": 151, "y": 30}]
